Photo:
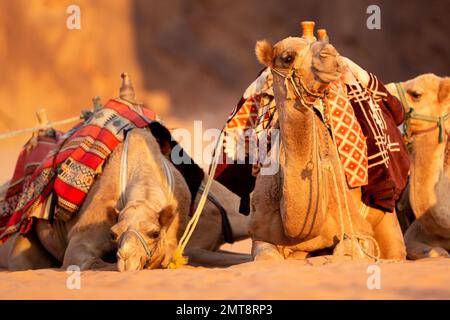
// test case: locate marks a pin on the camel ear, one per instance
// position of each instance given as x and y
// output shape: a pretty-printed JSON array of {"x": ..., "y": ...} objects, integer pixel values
[
  {"x": 444, "y": 89},
  {"x": 264, "y": 52},
  {"x": 166, "y": 216},
  {"x": 117, "y": 229},
  {"x": 327, "y": 64}
]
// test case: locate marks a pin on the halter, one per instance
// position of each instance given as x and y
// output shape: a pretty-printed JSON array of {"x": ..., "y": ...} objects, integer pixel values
[
  {"x": 302, "y": 91},
  {"x": 411, "y": 114},
  {"x": 141, "y": 239}
]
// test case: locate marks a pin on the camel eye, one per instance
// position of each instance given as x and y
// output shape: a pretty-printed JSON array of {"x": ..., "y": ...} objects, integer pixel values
[
  {"x": 154, "y": 234},
  {"x": 287, "y": 59},
  {"x": 416, "y": 95}
]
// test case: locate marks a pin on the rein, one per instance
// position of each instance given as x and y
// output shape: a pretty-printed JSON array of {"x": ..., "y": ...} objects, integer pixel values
[{"x": 411, "y": 114}]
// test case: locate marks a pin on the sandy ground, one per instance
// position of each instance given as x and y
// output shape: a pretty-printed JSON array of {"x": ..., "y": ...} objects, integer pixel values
[{"x": 312, "y": 279}]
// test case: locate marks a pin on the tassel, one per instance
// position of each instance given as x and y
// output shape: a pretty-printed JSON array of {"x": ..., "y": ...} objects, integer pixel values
[{"x": 178, "y": 260}]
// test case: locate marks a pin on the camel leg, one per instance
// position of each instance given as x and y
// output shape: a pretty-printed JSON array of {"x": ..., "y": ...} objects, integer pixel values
[
  {"x": 24, "y": 253},
  {"x": 53, "y": 237},
  {"x": 265, "y": 251},
  {"x": 420, "y": 244},
  {"x": 203, "y": 257},
  {"x": 389, "y": 236},
  {"x": 86, "y": 250}
]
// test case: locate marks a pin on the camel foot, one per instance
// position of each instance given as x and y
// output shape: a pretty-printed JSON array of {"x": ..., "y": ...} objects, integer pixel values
[
  {"x": 97, "y": 264},
  {"x": 263, "y": 251},
  {"x": 298, "y": 255},
  {"x": 358, "y": 250}
]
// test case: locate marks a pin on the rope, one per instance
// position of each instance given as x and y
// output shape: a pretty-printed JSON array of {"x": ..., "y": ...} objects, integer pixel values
[
  {"x": 354, "y": 238},
  {"x": 11, "y": 134},
  {"x": 123, "y": 173},
  {"x": 178, "y": 259}
]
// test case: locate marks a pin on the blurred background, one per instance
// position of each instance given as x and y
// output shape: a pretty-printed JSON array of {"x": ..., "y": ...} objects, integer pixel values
[{"x": 189, "y": 59}]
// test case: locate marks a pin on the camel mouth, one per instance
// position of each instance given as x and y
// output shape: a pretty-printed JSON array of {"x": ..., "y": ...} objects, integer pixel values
[{"x": 130, "y": 263}]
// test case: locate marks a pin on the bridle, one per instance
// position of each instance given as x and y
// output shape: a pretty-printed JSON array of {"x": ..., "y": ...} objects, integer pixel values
[
  {"x": 148, "y": 251},
  {"x": 302, "y": 92},
  {"x": 411, "y": 114}
]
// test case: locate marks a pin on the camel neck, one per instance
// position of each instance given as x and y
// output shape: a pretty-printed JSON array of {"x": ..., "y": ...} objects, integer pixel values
[{"x": 427, "y": 171}]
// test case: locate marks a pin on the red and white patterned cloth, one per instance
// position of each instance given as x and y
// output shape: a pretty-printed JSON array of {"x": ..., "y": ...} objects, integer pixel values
[
  {"x": 349, "y": 137},
  {"x": 68, "y": 168}
]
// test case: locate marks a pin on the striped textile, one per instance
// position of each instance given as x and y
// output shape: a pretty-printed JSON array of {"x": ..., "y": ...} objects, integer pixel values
[{"x": 70, "y": 168}]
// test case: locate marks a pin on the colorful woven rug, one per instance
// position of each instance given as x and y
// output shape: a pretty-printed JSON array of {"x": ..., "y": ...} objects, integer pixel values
[
  {"x": 349, "y": 136},
  {"x": 30, "y": 158},
  {"x": 70, "y": 168}
]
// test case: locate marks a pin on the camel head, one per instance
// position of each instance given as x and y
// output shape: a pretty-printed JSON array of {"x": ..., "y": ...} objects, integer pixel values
[
  {"x": 315, "y": 64},
  {"x": 426, "y": 97},
  {"x": 141, "y": 236},
  {"x": 426, "y": 94}
]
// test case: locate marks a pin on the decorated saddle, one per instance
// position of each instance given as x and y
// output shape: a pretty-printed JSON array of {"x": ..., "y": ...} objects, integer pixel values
[
  {"x": 60, "y": 169},
  {"x": 30, "y": 158},
  {"x": 55, "y": 171}
]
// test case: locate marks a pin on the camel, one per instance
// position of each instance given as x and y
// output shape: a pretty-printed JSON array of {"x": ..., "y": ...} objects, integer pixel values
[
  {"x": 429, "y": 182},
  {"x": 307, "y": 206},
  {"x": 91, "y": 238},
  {"x": 203, "y": 247}
]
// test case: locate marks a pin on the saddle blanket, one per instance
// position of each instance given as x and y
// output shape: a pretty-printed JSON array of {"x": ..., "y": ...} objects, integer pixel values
[
  {"x": 31, "y": 156},
  {"x": 68, "y": 166}
]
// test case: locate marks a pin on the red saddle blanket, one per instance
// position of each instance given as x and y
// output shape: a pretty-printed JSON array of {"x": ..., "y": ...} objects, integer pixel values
[
  {"x": 67, "y": 165},
  {"x": 30, "y": 158}
]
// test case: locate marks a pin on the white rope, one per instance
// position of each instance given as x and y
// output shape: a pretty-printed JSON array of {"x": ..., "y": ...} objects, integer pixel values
[
  {"x": 11, "y": 134},
  {"x": 169, "y": 177},
  {"x": 178, "y": 258},
  {"x": 123, "y": 173}
]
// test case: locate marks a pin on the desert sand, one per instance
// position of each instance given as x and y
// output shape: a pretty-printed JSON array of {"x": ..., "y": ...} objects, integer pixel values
[{"x": 315, "y": 278}]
